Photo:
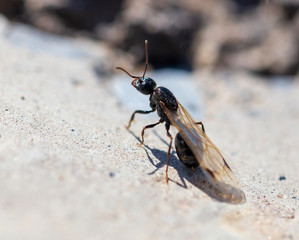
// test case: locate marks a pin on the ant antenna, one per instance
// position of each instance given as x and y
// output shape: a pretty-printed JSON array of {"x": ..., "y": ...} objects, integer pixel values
[
  {"x": 146, "y": 57},
  {"x": 146, "y": 63},
  {"x": 126, "y": 72}
]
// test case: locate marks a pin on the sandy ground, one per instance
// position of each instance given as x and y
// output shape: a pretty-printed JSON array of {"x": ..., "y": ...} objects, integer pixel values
[{"x": 70, "y": 170}]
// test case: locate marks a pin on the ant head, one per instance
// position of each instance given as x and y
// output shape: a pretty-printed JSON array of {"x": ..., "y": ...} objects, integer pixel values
[{"x": 143, "y": 84}]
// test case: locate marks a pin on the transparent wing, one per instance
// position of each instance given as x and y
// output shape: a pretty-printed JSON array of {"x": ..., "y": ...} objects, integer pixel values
[
  {"x": 220, "y": 182},
  {"x": 204, "y": 150}
]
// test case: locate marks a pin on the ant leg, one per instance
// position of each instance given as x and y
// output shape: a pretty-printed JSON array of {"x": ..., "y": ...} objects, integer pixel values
[
  {"x": 146, "y": 127},
  {"x": 202, "y": 127},
  {"x": 133, "y": 115},
  {"x": 167, "y": 126}
]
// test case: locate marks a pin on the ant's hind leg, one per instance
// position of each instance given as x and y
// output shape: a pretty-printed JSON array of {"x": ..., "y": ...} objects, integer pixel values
[
  {"x": 202, "y": 127},
  {"x": 168, "y": 153},
  {"x": 133, "y": 115},
  {"x": 146, "y": 127}
]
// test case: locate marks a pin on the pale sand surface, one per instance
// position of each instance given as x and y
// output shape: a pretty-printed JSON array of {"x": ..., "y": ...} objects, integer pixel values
[{"x": 70, "y": 170}]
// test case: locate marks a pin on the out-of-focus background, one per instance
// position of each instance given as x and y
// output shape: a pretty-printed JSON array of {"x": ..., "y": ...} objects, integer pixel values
[
  {"x": 69, "y": 169},
  {"x": 257, "y": 36}
]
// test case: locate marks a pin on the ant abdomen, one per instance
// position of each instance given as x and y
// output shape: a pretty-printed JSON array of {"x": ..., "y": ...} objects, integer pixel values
[{"x": 184, "y": 152}]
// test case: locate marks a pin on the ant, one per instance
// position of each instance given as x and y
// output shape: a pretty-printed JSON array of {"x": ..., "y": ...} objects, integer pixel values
[
  {"x": 193, "y": 146},
  {"x": 159, "y": 96}
]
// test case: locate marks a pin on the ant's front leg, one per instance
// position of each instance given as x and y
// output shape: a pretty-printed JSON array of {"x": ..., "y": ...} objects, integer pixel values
[
  {"x": 133, "y": 115},
  {"x": 146, "y": 127}
]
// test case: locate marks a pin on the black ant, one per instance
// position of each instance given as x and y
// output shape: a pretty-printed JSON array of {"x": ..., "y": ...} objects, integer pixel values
[
  {"x": 193, "y": 146},
  {"x": 147, "y": 86}
]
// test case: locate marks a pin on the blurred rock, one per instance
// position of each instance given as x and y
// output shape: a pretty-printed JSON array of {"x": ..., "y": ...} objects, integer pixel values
[
  {"x": 11, "y": 8},
  {"x": 72, "y": 15},
  {"x": 43, "y": 14},
  {"x": 168, "y": 26},
  {"x": 254, "y": 35},
  {"x": 62, "y": 16},
  {"x": 261, "y": 41}
]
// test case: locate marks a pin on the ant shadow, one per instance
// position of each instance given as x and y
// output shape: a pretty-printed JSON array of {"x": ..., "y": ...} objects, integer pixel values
[{"x": 196, "y": 177}]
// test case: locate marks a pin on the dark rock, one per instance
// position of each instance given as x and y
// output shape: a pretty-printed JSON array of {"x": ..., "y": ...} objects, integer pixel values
[
  {"x": 254, "y": 35},
  {"x": 281, "y": 178},
  {"x": 169, "y": 28},
  {"x": 261, "y": 41},
  {"x": 11, "y": 8},
  {"x": 71, "y": 14}
]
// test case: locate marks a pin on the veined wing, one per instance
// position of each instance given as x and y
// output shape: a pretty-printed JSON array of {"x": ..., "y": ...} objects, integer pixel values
[
  {"x": 204, "y": 150},
  {"x": 220, "y": 182}
]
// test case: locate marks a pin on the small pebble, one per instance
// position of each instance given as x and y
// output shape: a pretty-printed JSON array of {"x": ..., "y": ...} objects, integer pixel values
[
  {"x": 282, "y": 196},
  {"x": 73, "y": 130},
  {"x": 281, "y": 178},
  {"x": 75, "y": 82},
  {"x": 111, "y": 174},
  {"x": 279, "y": 195}
]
